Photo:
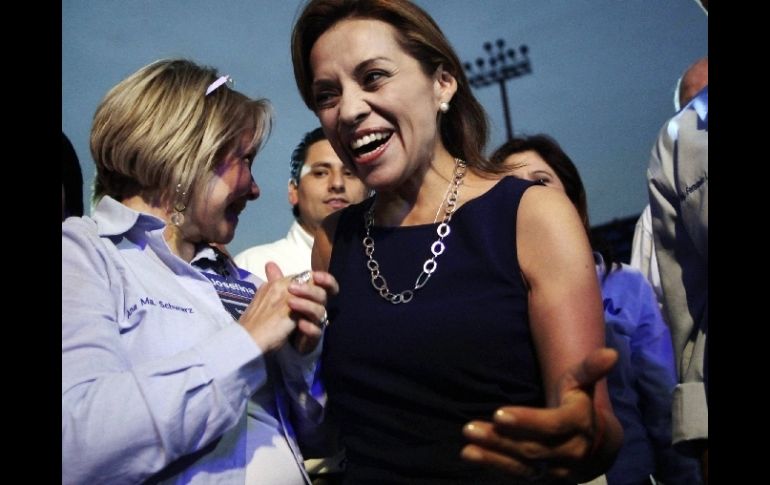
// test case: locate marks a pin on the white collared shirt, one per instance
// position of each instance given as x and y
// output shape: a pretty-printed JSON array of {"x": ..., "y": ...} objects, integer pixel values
[{"x": 292, "y": 253}]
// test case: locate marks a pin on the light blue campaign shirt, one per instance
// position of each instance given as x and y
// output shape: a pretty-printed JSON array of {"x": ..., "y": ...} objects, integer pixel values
[
  {"x": 159, "y": 381},
  {"x": 642, "y": 382}
]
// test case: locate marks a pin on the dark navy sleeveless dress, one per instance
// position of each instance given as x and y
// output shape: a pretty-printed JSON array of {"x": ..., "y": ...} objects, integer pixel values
[{"x": 404, "y": 379}]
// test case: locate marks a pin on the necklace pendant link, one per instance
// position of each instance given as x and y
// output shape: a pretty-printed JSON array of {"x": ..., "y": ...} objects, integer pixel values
[
  {"x": 379, "y": 283},
  {"x": 436, "y": 249},
  {"x": 403, "y": 297},
  {"x": 421, "y": 280}
]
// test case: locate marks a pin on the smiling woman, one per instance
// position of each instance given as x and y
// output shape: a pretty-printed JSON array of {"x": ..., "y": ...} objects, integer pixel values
[
  {"x": 489, "y": 364},
  {"x": 152, "y": 157},
  {"x": 173, "y": 359}
]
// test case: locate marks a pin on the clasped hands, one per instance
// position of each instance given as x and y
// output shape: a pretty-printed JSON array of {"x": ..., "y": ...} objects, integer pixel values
[{"x": 289, "y": 306}]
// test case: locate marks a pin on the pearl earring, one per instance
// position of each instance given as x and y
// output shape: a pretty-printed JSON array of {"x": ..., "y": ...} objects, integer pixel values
[{"x": 443, "y": 107}]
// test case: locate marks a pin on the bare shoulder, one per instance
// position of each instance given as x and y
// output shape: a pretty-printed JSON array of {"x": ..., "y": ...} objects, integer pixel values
[
  {"x": 539, "y": 201},
  {"x": 549, "y": 231}
]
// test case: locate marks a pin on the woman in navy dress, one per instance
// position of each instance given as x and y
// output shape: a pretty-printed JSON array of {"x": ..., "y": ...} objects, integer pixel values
[{"x": 465, "y": 345}]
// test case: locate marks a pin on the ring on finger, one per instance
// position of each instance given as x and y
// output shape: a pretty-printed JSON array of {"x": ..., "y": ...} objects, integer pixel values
[
  {"x": 324, "y": 322},
  {"x": 302, "y": 278}
]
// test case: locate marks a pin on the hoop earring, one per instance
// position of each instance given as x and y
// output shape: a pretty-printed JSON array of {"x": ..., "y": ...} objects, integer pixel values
[{"x": 177, "y": 218}]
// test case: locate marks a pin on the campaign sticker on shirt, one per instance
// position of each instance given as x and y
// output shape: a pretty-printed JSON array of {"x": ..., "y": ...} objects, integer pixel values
[{"x": 234, "y": 294}]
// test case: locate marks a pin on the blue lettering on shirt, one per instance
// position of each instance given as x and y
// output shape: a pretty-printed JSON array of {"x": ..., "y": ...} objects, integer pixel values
[
  {"x": 130, "y": 311},
  {"x": 171, "y": 306},
  {"x": 234, "y": 294},
  {"x": 162, "y": 304}
]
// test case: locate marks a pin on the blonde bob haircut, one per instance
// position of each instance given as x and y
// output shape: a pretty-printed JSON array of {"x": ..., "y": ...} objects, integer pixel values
[
  {"x": 158, "y": 129},
  {"x": 464, "y": 128}
]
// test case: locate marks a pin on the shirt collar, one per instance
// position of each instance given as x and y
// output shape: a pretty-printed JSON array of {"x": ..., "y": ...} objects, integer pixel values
[
  {"x": 113, "y": 218},
  {"x": 299, "y": 235},
  {"x": 700, "y": 103},
  {"x": 208, "y": 258}
]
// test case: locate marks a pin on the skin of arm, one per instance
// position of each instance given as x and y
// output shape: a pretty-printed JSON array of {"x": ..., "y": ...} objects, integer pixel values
[
  {"x": 577, "y": 435},
  {"x": 322, "y": 244}
]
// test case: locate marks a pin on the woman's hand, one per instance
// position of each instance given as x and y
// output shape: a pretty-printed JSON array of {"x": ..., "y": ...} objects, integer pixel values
[
  {"x": 308, "y": 304},
  {"x": 282, "y": 305},
  {"x": 576, "y": 440}
]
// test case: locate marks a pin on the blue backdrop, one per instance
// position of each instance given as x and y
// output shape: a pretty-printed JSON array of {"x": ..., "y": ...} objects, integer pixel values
[{"x": 602, "y": 83}]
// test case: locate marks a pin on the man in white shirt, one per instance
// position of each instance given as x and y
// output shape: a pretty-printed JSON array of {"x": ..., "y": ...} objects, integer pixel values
[{"x": 320, "y": 184}]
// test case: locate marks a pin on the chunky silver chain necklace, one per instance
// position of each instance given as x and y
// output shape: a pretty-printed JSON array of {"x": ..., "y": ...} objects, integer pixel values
[{"x": 436, "y": 249}]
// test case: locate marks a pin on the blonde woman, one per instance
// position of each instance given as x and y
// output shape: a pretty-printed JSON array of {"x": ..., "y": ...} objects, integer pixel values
[{"x": 177, "y": 367}]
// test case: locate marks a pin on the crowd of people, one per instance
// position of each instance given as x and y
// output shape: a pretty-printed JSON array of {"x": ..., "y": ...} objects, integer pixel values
[{"x": 435, "y": 315}]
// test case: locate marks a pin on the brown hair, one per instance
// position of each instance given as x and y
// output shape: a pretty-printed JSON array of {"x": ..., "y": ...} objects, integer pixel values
[
  {"x": 158, "y": 128},
  {"x": 464, "y": 128}
]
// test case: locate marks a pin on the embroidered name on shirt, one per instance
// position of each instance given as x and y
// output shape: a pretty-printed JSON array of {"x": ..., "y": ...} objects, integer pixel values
[
  {"x": 147, "y": 301},
  {"x": 692, "y": 188},
  {"x": 171, "y": 306}
]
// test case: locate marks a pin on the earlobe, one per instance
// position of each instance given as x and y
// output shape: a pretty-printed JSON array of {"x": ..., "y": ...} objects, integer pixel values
[
  {"x": 293, "y": 196},
  {"x": 446, "y": 84}
]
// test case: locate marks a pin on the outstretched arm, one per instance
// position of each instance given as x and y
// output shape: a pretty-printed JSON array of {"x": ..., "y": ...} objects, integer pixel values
[{"x": 576, "y": 436}]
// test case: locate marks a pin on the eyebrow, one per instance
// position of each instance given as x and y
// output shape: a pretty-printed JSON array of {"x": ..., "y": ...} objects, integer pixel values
[
  {"x": 326, "y": 164},
  {"x": 321, "y": 83},
  {"x": 357, "y": 71},
  {"x": 544, "y": 172},
  {"x": 363, "y": 66}
]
